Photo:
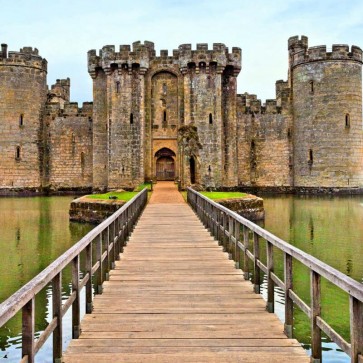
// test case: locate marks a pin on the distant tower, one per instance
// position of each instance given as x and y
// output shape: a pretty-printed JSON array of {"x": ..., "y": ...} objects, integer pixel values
[
  {"x": 22, "y": 98},
  {"x": 327, "y": 114}
]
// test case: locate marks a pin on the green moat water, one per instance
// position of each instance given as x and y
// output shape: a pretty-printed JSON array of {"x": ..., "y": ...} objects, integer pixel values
[{"x": 35, "y": 231}]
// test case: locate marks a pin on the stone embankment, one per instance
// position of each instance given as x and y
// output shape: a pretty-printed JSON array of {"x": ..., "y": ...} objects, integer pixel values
[
  {"x": 93, "y": 211},
  {"x": 250, "y": 207}
]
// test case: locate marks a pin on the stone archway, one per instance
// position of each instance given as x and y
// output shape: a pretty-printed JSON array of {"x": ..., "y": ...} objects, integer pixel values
[{"x": 165, "y": 164}]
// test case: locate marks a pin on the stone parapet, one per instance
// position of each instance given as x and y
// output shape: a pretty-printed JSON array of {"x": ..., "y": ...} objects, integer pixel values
[
  {"x": 26, "y": 57},
  {"x": 300, "y": 53},
  {"x": 143, "y": 53}
]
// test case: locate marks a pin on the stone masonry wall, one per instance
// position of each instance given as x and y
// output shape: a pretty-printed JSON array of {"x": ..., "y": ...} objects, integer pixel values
[
  {"x": 22, "y": 98},
  {"x": 264, "y": 143},
  {"x": 70, "y": 147},
  {"x": 124, "y": 128},
  {"x": 206, "y": 111},
  {"x": 135, "y": 108},
  {"x": 327, "y": 110}
]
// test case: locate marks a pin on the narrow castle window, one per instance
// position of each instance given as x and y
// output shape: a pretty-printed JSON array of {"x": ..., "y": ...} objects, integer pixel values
[
  {"x": 117, "y": 87},
  {"x": 131, "y": 118},
  {"x": 165, "y": 88},
  {"x": 17, "y": 153},
  {"x": 210, "y": 119},
  {"x": 164, "y": 117},
  {"x": 82, "y": 163},
  {"x": 311, "y": 156},
  {"x": 253, "y": 161},
  {"x": 21, "y": 120},
  {"x": 311, "y": 83},
  {"x": 347, "y": 120}
]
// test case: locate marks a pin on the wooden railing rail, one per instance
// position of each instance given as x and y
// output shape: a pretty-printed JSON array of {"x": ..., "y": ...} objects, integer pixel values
[
  {"x": 107, "y": 239},
  {"x": 225, "y": 225}
]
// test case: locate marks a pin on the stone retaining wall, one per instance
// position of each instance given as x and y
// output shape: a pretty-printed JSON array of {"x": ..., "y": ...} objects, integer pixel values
[
  {"x": 93, "y": 210},
  {"x": 250, "y": 207}
]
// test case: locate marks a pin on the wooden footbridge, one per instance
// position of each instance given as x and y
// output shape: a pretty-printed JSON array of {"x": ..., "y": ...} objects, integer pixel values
[{"x": 175, "y": 294}]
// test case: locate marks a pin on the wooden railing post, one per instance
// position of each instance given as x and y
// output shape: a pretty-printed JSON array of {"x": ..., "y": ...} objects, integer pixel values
[
  {"x": 118, "y": 240},
  {"x": 218, "y": 221},
  {"x": 99, "y": 273},
  {"x": 256, "y": 269},
  {"x": 89, "y": 296},
  {"x": 123, "y": 232},
  {"x": 76, "y": 316},
  {"x": 289, "y": 305},
  {"x": 112, "y": 240},
  {"x": 315, "y": 312},
  {"x": 356, "y": 329},
  {"x": 246, "y": 243},
  {"x": 57, "y": 313},
  {"x": 270, "y": 284},
  {"x": 230, "y": 239},
  {"x": 237, "y": 250},
  {"x": 225, "y": 219},
  {"x": 127, "y": 224},
  {"x": 108, "y": 259},
  {"x": 28, "y": 318}
]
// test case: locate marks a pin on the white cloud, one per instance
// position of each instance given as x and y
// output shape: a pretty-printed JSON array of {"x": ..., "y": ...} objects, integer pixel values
[{"x": 65, "y": 30}]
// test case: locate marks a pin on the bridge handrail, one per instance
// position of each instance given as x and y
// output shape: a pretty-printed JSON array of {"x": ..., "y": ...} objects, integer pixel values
[
  {"x": 225, "y": 224},
  {"x": 111, "y": 235}
]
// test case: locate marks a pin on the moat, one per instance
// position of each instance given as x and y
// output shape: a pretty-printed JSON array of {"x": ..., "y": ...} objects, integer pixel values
[{"x": 34, "y": 231}]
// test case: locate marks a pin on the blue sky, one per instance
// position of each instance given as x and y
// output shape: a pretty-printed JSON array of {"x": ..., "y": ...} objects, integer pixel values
[{"x": 65, "y": 30}]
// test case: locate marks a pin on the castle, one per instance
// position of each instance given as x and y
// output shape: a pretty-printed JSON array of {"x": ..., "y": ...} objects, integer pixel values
[{"x": 178, "y": 116}]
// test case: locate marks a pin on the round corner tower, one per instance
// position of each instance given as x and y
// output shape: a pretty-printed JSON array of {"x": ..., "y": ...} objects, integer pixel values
[
  {"x": 327, "y": 112},
  {"x": 23, "y": 91}
]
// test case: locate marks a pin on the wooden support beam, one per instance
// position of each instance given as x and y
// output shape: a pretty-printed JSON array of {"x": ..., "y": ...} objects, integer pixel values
[
  {"x": 289, "y": 304},
  {"x": 316, "y": 352},
  {"x": 57, "y": 313},
  {"x": 28, "y": 318}
]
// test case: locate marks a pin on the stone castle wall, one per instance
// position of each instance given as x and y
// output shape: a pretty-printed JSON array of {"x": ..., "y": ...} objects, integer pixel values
[
  {"x": 182, "y": 109},
  {"x": 69, "y": 140},
  {"x": 22, "y": 99},
  {"x": 150, "y": 97},
  {"x": 327, "y": 111},
  {"x": 264, "y": 143}
]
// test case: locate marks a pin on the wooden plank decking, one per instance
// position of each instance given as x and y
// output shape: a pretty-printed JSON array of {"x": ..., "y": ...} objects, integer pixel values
[{"x": 176, "y": 297}]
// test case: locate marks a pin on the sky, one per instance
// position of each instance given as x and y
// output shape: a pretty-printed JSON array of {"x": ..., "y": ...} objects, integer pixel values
[{"x": 65, "y": 30}]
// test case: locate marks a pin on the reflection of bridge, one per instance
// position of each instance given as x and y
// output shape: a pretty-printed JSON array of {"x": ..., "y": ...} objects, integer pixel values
[{"x": 174, "y": 296}]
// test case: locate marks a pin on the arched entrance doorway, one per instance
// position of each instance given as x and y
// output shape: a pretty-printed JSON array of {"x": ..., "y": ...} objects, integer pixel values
[{"x": 165, "y": 164}]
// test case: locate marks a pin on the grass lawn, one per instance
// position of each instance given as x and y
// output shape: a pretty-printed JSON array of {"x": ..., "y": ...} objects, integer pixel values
[
  {"x": 126, "y": 196},
  {"x": 140, "y": 187},
  {"x": 223, "y": 195}
]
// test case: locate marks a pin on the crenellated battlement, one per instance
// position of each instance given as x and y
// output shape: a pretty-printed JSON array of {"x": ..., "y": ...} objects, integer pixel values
[
  {"x": 61, "y": 83},
  {"x": 70, "y": 109},
  {"x": 142, "y": 53},
  {"x": 250, "y": 104},
  {"x": 218, "y": 55},
  {"x": 300, "y": 53},
  {"x": 108, "y": 58},
  {"x": 26, "y": 57}
]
